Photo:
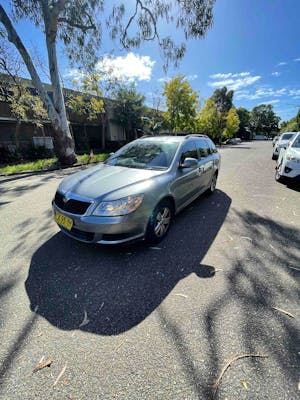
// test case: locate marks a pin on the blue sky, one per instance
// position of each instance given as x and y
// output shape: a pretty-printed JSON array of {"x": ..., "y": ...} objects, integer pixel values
[{"x": 253, "y": 48}]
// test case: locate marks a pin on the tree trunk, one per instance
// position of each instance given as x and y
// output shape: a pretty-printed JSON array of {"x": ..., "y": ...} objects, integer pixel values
[
  {"x": 63, "y": 141},
  {"x": 103, "y": 120},
  {"x": 17, "y": 133}
]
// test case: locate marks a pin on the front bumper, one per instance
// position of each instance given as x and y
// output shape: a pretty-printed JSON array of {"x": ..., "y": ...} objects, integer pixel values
[
  {"x": 291, "y": 170},
  {"x": 105, "y": 230}
]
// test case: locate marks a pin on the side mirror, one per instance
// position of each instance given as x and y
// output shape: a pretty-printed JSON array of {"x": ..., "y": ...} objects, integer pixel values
[{"x": 189, "y": 163}]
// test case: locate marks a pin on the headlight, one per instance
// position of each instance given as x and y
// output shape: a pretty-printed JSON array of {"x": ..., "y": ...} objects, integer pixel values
[
  {"x": 118, "y": 207},
  {"x": 293, "y": 158}
]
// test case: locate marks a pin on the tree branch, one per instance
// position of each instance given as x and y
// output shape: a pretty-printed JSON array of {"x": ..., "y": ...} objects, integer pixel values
[
  {"x": 152, "y": 17},
  {"x": 84, "y": 28},
  {"x": 15, "y": 39}
]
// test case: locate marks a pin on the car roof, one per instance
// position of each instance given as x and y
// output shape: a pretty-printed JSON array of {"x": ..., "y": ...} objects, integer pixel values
[{"x": 172, "y": 138}]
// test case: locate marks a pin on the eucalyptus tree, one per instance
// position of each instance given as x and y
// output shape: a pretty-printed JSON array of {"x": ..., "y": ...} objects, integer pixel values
[{"x": 79, "y": 25}]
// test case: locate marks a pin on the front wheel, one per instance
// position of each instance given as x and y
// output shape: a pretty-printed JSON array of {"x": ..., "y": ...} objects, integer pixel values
[
  {"x": 278, "y": 176},
  {"x": 159, "y": 222},
  {"x": 213, "y": 183}
]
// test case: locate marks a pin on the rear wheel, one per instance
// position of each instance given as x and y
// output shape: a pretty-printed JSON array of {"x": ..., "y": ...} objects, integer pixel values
[{"x": 159, "y": 222}]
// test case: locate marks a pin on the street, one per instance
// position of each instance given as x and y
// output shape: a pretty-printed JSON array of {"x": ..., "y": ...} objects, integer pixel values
[{"x": 138, "y": 322}]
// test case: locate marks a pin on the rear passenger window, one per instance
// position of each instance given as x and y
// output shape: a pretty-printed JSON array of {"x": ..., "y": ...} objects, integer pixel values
[
  {"x": 211, "y": 146},
  {"x": 189, "y": 151},
  {"x": 203, "y": 148}
]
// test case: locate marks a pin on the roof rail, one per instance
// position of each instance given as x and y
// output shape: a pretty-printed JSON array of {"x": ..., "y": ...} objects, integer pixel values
[{"x": 195, "y": 135}]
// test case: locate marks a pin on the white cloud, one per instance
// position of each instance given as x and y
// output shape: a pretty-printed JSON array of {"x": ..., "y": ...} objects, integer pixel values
[
  {"x": 297, "y": 59},
  {"x": 271, "y": 101},
  {"x": 266, "y": 92},
  {"x": 164, "y": 79},
  {"x": 130, "y": 67},
  {"x": 294, "y": 92},
  {"x": 281, "y": 64},
  {"x": 233, "y": 81},
  {"x": 229, "y": 75},
  {"x": 276, "y": 73},
  {"x": 192, "y": 77}
]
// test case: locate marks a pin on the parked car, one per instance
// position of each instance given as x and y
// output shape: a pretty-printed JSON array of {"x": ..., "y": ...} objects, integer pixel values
[
  {"x": 281, "y": 143},
  {"x": 137, "y": 191},
  {"x": 288, "y": 163},
  {"x": 234, "y": 141},
  {"x": 260, "y": 137},
  {"x": 275, "y": 138}
]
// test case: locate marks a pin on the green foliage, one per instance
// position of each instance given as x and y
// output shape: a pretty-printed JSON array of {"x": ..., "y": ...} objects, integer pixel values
[
  {"x": 208, "y": 120},
  {"x": 244, "y": 117},
  {"x": 89, "y": 103},
  {"x": 232, "y": 123},
  {"x": 182, "y": 104},
  {"x": 264, "y": 119},
  {"x": 223, "y": 100},
  {"x": 293, "y": 125},
  {"x": 48, "y": 164},
  {"x": 128, "y": 109}
]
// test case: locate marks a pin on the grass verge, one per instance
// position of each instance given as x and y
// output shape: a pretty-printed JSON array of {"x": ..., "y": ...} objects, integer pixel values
[{"x": 48, "y": 164}]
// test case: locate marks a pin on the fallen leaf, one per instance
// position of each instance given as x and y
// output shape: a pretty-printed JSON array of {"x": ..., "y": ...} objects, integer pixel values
[
  {"x": 284, "y": 312},
  {"x": 42, "y": 365},
  {"x": 272, "y": 247},
  {"x": 181, "y": 295},
  {"x": 246, "y": 237},
  {"x": 60, "y": 375},
  {"x": 244, "y": 383},
  {"x": 85, "y": 320}
]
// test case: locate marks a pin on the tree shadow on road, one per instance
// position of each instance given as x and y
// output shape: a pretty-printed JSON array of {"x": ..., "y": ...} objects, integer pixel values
[
  {"x": 116, "y": 288},
  {"x": 267, "y": 276}
]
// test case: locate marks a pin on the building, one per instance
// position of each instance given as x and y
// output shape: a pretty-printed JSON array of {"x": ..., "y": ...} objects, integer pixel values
[{"x": 18, "y": 134}]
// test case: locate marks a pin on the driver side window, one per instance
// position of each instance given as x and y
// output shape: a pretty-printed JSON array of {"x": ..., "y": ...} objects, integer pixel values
[{"x": 188, "y": 151}]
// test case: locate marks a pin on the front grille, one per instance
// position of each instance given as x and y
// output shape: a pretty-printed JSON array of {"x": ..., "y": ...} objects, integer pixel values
[{"x": 71, "y": 205}]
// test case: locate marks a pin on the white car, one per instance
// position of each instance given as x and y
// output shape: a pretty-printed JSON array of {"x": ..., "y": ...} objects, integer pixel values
[
  {"x": 281, "y": 143},
  {"x": 275, "y": 140},
  {"x": 288, "y": 163}
]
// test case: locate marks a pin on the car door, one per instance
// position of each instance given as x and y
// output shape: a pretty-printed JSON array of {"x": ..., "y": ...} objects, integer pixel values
[
  {"x": 205, "y": 163},
  {"x": 185, "y": 184}
]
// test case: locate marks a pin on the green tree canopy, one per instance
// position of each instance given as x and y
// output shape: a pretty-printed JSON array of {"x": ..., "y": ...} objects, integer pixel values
[
  {"x": 182, "y": 104},
  {"x": 223, "y": 99},
  {"x": 292, "y": 125},
  {"x": 244, "y": 117},
  {"x": 232, "y": 123},
  {"x": 128, "y": 109},
  {"x": 263, "y": 119},
  {"x": 208, "y": 122}
]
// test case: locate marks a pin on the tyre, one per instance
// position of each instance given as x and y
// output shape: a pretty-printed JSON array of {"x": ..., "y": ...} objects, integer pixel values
[
  {"x": 159, "y": 222},
  {"x": 213, "y": 184},
  {"x": 278, "y": 176}
]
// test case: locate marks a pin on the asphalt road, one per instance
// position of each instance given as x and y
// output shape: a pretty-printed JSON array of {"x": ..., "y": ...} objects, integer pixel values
[{"x": 138, "y": 322}]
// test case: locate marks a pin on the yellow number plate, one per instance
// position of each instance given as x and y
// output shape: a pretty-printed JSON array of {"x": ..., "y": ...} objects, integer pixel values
[{"x": 63, "y": 221}]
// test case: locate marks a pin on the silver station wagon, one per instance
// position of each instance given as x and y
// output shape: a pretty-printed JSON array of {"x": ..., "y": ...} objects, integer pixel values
[{"x": 137, "y": 191}]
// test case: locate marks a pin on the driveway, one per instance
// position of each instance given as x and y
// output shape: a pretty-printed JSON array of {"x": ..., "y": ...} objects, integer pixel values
[{"x": 139, "y": 322}]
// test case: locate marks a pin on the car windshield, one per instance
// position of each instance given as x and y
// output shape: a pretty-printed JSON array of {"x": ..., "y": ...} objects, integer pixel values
[
  {"x": 145, "y": 155},
  {"x": 296, "y": 143},
  {"x": 287, "y": 136}
]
